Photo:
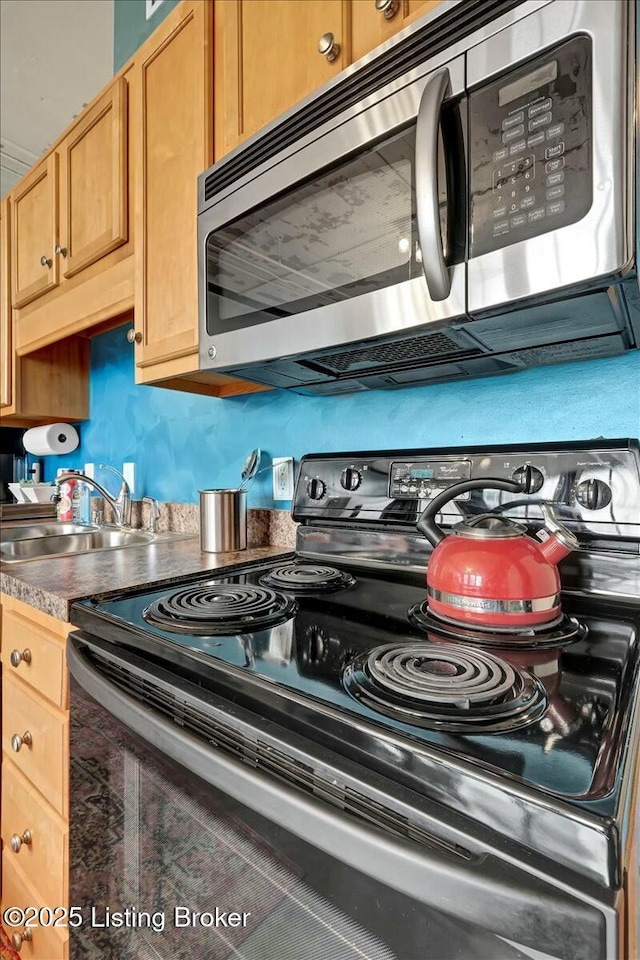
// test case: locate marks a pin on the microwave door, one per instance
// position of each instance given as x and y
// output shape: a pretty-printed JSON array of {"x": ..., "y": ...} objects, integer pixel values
[
  {"x": 550, "y": 108},
  {"x": 354, "y": 236}
]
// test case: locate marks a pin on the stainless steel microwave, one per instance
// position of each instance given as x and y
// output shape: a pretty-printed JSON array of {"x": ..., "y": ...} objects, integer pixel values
[{"x": 460, "y": 203}]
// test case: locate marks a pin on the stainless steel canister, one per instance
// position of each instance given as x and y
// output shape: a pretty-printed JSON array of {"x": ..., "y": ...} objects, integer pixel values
[{"x": 223, "y": 520}]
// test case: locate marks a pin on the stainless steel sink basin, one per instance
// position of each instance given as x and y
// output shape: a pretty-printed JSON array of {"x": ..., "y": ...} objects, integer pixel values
[
  {"x": 87, "y": 541},
  {"x": 28, "y": 531}
]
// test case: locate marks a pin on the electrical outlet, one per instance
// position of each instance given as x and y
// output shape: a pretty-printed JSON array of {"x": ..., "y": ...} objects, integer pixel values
[
  {"x": 129, "y": 473},
  {"x": 283, "y": 478},
  {"x": 90, "y": 470}
]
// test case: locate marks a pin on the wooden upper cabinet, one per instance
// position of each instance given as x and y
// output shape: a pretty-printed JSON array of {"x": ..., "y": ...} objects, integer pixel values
[
  {"x": 173, "y": 144},
  {"x": 93, "y": 182},
  {"x": 35, "y": 232},
  {"x": 267, "y": 59},
  {"x": 6, "y": 340},
  {"x": 372, "y": 24}
]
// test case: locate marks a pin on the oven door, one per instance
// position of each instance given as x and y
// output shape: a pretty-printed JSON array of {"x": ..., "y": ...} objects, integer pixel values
[
  {"x": 358, "y": 233},
  {"x": 225, "y": 839}
]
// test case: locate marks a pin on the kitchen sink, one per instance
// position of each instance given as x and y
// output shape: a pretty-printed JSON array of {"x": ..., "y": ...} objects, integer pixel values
[
  {"x": 28, "y": 531},
  {"x": 79, "y": 539}
]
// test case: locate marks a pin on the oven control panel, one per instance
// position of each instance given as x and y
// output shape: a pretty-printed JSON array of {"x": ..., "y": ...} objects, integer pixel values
[
  {"x": 530, "y": 148},
  {"x": 592, "y": 486},
  {"x": 425, "y": 479}
]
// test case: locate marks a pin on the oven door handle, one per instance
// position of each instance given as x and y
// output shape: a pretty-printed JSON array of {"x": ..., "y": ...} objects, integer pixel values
[
  {"x": 484, "y": 889},
  {"x": 426, "y": 174}
]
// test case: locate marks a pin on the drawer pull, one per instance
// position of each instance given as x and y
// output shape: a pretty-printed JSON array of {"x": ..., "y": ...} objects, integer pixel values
[
  {"x": 19, "y": 938},
  {"x": 45, "y": 261},
  {"x": 17, "y": 840},
  {"x": 17, "y": 741},
  {"x": 17, "y": 657}
]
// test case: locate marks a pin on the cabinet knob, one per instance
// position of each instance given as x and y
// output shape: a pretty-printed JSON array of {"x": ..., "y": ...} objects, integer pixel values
[
  {"x": 17, "y": 741},
  {"x": 19, "y": 938},
  {"x": 17, "y": 840},
  {"x": 45, "y": 262},
  {"x": 17, "y": 658},
  {"x": 388, "y": 8},
  {"x": 328, "y": 47},
  {"x": 134, "y": 336},
  {"x": 61, "y": 250}
]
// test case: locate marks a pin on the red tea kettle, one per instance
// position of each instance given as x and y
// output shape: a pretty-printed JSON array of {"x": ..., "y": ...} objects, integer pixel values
[{"x": 489, "y": 571}]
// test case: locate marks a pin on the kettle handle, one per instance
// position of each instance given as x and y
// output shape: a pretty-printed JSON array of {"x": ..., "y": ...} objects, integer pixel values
[{"x": 427, "y": 524}]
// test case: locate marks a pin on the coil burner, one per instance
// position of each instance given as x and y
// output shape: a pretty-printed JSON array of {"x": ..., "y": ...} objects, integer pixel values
[
  {"x": 445, "y": 687},
  {"x": 557, "y": 633},
  {"x": 217, "y": 609},
  {"x": 306, "y": 578}
]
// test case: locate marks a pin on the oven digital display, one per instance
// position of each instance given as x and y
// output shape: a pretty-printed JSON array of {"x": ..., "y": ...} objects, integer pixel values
[
  {"x": 421, "y": 473},
  {"x": 523, "y": 86}
]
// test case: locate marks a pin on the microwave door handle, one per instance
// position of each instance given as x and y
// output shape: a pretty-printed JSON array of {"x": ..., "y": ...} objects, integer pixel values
[{"x": 426, "y": 173}]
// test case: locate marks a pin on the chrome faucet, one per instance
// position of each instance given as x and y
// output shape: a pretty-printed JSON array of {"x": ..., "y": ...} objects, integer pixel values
[{"x": 121, "y": 505}]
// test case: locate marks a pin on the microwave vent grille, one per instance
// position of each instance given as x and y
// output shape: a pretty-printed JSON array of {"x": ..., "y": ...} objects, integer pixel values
[
  {"x": 438, "y": 35},
  {"x": 413, "y": 351}
]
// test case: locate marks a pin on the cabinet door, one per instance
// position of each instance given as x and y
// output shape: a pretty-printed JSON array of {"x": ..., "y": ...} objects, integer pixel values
[
  {"x": 173, "y": 130},
  {"x": 372, "y": 23},
  {"x": 267, "y": 59},
  {"x": 6, "y": 339},
  {"x": 94, "y": 182},
  {"x": 35, "y": 233}
]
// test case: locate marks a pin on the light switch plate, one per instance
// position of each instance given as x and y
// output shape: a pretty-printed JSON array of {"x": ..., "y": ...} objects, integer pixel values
[
  {"x": 129, "y": 473},
  {"x": 151, "y": 6},
  {"x": 283, "y": 478}
]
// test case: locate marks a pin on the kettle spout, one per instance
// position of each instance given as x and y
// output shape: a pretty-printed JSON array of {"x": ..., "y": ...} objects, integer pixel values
[
  {"x": 553, "y": 549},
  {"x": 560, "y": 541}
]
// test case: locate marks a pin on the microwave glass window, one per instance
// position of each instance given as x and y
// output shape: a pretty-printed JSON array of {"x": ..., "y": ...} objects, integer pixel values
[{"x": 349, "y": 230}]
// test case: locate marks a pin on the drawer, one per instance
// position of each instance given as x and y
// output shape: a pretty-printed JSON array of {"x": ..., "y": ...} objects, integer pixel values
[
  {"x": 47, "y": 943},
  {"x": 45, "y": 761},
  {"x": 43, "y": 668},
  {"x": 44, "y": 859}
]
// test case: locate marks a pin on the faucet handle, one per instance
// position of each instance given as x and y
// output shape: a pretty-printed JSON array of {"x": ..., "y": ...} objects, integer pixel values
[{"x": 155, "y": 512}]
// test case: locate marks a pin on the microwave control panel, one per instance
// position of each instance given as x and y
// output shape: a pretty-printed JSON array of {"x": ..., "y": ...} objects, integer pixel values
[{"x": 530, "y": 148}]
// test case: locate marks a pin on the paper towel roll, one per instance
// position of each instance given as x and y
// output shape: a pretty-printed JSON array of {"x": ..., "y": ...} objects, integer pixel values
[{"x": 55, "y": 438}]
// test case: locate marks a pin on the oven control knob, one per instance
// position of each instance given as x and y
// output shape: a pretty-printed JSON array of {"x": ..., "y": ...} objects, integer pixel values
[
  {"x": 530, "y": 477},
  {"x": 316, "y": 489},
  {"x": 593, "y": 494},
  {"x": 351, "y": 478}
]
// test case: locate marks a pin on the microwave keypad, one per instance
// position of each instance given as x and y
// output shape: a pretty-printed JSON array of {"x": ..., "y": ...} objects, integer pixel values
[{"x": 531, "y": 150}]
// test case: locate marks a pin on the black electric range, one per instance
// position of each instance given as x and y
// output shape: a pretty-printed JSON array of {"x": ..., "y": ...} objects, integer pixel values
[{"x": 532, "y": 738}]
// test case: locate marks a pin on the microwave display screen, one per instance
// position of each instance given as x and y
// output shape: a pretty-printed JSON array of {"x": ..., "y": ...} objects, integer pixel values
[
  {"x": 348, "y": 231},
  {"x": 529, "y": 84}
]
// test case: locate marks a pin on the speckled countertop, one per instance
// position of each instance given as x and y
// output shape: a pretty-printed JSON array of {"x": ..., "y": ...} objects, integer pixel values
[{"x": 52, "y": 585}]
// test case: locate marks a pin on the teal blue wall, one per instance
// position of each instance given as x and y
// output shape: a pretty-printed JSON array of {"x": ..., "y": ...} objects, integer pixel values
[
  {"x": 182, "y": 442},
  {"x": 131, "y": 28}
]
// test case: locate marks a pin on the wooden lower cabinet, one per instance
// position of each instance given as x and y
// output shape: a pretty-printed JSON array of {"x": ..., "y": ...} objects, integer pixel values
[
  {"x": 46, "y": 943},
  {"x": 34, "y": 814}
]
